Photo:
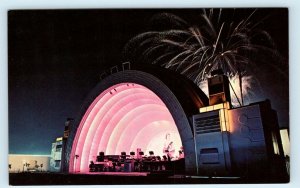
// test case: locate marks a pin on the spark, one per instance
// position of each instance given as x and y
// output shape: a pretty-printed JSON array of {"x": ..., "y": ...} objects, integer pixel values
[{"x": 215, "y": 43}]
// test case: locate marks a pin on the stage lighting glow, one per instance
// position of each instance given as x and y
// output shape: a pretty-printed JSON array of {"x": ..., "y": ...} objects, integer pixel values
[{"x": 124, "y": 117}]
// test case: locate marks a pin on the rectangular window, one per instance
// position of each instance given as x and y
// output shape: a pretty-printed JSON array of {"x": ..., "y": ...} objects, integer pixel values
[
  {"x": 57, "y": 163},
  {"x": 58, "y": 148}
]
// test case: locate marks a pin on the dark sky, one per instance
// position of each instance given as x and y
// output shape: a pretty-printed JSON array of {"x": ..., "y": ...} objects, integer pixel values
[{"x": 56, "y": 57}]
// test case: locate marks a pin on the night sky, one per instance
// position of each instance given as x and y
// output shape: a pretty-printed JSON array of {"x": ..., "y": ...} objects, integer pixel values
[{"x": 56, "y": 57}]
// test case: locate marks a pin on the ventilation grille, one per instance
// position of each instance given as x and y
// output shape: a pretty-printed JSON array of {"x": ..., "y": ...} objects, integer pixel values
[{"x": 207, "y": 124}]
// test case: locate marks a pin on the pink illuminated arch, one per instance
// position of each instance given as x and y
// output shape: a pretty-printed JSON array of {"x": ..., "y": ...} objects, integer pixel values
[{"x": 124, "y": 117}]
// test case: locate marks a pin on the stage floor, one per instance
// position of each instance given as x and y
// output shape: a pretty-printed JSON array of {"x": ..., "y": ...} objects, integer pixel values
[
  {"x": 113, "y": 178},
  {"x": 118, "y": 173}
]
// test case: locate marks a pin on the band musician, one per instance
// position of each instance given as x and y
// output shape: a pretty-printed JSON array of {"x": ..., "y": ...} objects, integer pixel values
[{"x": 169, "y": 149}]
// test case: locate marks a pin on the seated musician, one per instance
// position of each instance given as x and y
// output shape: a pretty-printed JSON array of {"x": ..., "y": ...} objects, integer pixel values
[
  {"x": 92, "y": 166},
  {"x": 181, "y": 153}
]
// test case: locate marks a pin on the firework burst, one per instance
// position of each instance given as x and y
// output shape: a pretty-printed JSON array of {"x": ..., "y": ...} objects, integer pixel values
[{"x": 213, "y": 44}]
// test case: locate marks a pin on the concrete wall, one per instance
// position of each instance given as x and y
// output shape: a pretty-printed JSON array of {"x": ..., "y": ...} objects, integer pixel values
[
  {"x": 212, "y": 149},
  {"x": 247, "y": 141}
]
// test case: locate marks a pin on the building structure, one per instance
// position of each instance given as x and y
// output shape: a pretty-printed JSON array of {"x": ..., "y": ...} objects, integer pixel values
[
  {"x": 56, "y": 155},
  {"x": 58, "y": 147},
  {"x": 239, "y": 141},
  {"x": 217, "y": 138}
]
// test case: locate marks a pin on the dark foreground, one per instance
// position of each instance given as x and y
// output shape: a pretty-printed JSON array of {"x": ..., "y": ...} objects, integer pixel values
[{"x": 101, "y": 179}]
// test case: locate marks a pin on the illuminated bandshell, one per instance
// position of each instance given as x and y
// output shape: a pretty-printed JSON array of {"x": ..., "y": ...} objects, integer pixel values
[{"x": 134, "y": 109}]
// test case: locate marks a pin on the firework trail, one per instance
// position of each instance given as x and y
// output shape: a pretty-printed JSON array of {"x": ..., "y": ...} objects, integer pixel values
[{"x": 213, "y": 44}]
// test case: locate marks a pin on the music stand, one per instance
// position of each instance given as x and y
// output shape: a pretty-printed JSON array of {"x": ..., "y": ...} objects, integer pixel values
[
  {"x": 151, "y": 153},
  {"x": 123, "y": 155}
]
